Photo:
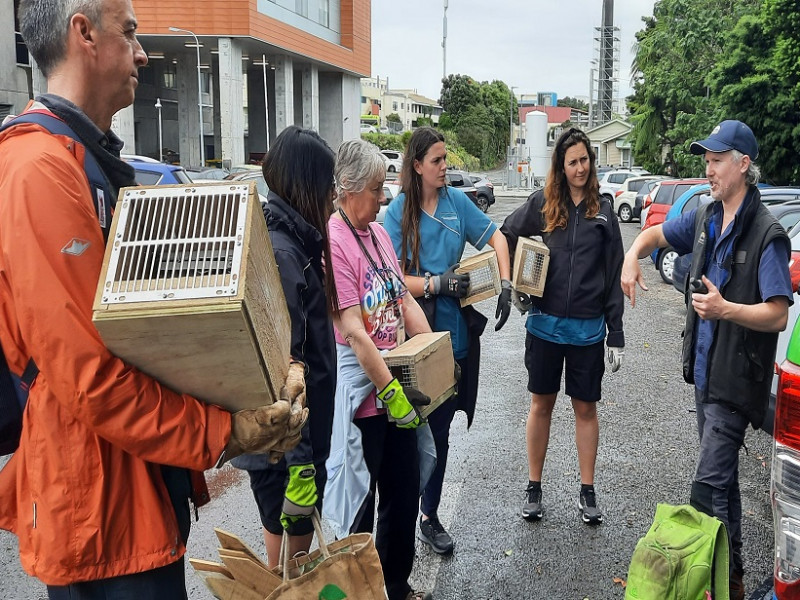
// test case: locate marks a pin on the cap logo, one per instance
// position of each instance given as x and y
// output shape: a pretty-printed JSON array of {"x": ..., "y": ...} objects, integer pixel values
[{"x": 716, "y": 130}]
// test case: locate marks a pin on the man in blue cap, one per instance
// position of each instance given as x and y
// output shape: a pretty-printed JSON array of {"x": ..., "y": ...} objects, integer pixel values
[{"x": 740, "y": 294}]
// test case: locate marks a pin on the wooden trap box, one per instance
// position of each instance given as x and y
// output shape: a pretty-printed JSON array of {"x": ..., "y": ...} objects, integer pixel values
[
  {"x": 531, "y": 260},
  {"x": 425, "y": 362},
  {"x": 484, "y": 277},
  {"x": 190, "y": 293}
]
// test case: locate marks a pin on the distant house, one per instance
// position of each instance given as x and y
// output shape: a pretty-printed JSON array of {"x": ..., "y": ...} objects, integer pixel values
[{"x": 610, "y": 143}]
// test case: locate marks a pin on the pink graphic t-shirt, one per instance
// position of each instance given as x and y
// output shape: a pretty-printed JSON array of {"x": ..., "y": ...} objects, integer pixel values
[{"x": 357, "y": 284}]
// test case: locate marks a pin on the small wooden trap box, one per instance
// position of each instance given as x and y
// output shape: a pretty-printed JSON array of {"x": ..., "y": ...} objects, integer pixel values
[
  {"x": 425, "y": 362},
  {"x": 531, "y": 260},
  {"x": 190, "y": 293},
  {"x": 484, "y": 277}
]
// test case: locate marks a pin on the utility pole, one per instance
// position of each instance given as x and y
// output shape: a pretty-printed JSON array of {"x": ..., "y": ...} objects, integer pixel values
[
  {"x": 444, "y": 42},
  {"x": 510, "y": 134}
]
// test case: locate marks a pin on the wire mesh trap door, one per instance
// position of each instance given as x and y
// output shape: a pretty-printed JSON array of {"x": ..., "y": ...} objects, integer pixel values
[
  {"x": 425, "y": 362},
  {"x": 484, "y": 277},
  {"x": 531, "y": 260},
  {"x": 190, "y": 293}
]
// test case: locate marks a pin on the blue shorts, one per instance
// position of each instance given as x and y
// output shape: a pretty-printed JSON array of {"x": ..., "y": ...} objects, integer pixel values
[{"x": 585, "y": 367}]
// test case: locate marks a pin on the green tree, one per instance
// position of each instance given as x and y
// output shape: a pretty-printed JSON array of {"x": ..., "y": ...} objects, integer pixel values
[
  {"x": 676, "y": 51},
  {"x": 573, "y": 103},
  {"x": 393, "y": 118},
  {"x": 459, "y": 93}
]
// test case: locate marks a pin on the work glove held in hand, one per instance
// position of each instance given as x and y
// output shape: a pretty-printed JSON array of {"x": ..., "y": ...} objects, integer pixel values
[
  {"x": 300, "y": 496},
  {"x": 401, "y": 404},
  {"x": 503, "y": 304},
  {"x": 522, "y": 302},
  {"x": 258, "y": 430},
  {"x": 293, "y": 393},
  {"x": 615, "y": 356},
  {"x": 450, "y": 283}
]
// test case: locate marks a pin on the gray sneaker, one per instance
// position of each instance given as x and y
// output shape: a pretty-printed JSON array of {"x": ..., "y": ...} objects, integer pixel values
[
  {"x": 533, "y": 509},
  {"x": 433, "y": 533},
  {"x": 587, "y": 506}
]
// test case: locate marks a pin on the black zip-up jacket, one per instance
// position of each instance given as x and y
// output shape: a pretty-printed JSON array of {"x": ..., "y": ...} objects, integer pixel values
[
  {"x": 585, "y": 263},
  {"x": 298, "y": 252}
]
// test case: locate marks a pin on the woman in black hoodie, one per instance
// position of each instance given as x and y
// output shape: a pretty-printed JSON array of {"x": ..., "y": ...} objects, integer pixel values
[{"x": 299, "y": 173}]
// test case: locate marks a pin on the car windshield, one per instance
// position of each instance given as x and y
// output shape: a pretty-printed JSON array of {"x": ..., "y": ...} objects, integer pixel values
[
  {"x": 182, "y": 176},
  {"x": 147, "y": 177}
]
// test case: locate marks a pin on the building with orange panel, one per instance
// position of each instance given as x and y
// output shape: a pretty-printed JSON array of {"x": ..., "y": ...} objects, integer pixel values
[{"x": 214, "y": 57}]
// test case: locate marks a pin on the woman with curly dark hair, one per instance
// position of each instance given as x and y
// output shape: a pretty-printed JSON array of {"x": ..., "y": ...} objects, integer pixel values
[{"x": 581, "y": 305}]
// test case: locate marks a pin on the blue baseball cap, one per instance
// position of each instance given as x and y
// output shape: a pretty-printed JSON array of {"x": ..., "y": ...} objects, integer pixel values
[{"x": 728, "y": 135}]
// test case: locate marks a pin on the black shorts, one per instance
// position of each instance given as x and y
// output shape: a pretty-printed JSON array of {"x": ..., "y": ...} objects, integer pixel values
[
  {"x": 269, "y": 487},
  {"x": 545, "y": 362}
]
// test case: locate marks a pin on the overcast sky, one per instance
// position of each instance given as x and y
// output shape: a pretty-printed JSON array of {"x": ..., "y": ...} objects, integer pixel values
[{"x": 535, "y": 45}]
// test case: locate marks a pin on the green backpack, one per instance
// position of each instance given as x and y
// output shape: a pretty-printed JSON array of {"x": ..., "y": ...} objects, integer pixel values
[{"x": 684, "y": 556}]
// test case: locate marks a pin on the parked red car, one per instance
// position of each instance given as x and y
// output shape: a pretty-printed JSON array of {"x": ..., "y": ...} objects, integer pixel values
[{"x": 669, "y": 191}]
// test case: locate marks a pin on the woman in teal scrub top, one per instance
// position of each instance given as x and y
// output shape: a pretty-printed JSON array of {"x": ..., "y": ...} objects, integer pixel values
[{"x": 430, "y": 224}]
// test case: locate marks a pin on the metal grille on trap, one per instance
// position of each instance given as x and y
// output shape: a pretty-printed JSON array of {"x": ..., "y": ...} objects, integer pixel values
[
  {"x": 484, "y": 277},
  {"x": 177, "y": 243},
  {"x": 531, "y": 261}
]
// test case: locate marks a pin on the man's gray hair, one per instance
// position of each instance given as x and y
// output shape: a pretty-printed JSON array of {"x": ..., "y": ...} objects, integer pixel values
[
  {"x": 753, "y": 171},
  {"x": 357, "y": 162},
  {"x": 43, "y": 25}
]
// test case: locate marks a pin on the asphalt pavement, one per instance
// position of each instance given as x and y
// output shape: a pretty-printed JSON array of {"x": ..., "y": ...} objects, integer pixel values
[{"x": 648, "y": 448}]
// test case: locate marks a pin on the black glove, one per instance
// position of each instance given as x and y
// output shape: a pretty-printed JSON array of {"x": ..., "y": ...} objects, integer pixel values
[
  {"x": 503, "y": 304},
  {"x": 450, "y": 283}
]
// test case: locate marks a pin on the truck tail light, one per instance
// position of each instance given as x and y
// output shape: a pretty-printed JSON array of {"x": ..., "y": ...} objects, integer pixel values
[
  {"x": 786, "y": 483},
  {"x": 617, "y": 193},
  {"x": 648, "y": 201}
]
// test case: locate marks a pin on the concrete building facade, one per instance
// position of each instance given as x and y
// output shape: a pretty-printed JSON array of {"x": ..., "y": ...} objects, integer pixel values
[{"x": 250, "y": 67}]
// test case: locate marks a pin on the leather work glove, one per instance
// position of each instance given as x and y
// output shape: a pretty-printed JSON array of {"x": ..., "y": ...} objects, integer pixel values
[
  {"x": 503, "y": 304},
  {"x": 450, "y": 283},
  {"x": 522, "y": 302},
  {"x": 294, "y": 393},
  {"x": 259, "y": 430},
  {"x": 300, "y": 496},
  {"x": 402, "y": 404},
  {"x": 615, "y": 356}
]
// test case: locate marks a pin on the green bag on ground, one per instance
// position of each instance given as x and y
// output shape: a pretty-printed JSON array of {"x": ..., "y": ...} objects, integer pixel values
[{"x": 684, "y": 556}]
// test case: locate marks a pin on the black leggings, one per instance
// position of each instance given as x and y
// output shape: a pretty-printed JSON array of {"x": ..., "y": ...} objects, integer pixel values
[{"x": 393, "y": 465}]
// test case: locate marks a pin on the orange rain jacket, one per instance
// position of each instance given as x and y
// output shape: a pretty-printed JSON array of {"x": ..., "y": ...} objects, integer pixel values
[{"x": 83, "y": 492}]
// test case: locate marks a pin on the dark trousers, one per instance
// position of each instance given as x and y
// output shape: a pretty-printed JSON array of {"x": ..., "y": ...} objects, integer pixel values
[
  {"x": 439, "y": 422},
  {"x": 715, "y": 490},
  {"x": 164, "y": 583},
  {"x": 393, "y": 465}
]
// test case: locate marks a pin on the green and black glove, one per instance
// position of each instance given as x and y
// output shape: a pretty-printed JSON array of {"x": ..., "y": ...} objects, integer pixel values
[
  {"x": 300, "y": 497},
  {"x": 402, "y": 404}
]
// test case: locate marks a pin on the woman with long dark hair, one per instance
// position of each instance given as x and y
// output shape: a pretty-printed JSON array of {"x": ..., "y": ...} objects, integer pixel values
[
  {"x": 430, "y": 224},
  {"x": 299, "y": 173},
  {"x": 581, "y": 306}
]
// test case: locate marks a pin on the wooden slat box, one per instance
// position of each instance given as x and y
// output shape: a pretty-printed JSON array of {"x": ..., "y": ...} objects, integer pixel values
[
  {"x": 531, "y": 260},
  {"x": 484, "y": 277},
  {"x": 425, "y": 362},
  {"x": 190, "y": 293}
]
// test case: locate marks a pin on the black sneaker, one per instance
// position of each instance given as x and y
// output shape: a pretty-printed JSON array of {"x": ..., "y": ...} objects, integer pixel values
[
  {"x": 432, "y": 533},
  {"x": 533, "y": 509},
  {"x": 587, "y": 506}
]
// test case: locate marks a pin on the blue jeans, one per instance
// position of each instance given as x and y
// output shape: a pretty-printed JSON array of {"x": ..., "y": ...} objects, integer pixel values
[{"x": 721, "y": 433}]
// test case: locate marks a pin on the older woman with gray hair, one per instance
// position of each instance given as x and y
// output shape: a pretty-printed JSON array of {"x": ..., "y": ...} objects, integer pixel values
[{"x": 376, "y": 422}]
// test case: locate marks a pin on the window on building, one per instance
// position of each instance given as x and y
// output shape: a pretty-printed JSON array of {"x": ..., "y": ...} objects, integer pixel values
[
  {"x": 394, "y": 106},
  {"x": 324, "y": 13},
  {"x": 23, "y": 58},
  {"x": 5, "y": 110},
  {"x": 169, "y": 77},
  {"x": 146, "y": 75},
  {"x": 301, "y": 7},
  {"x": 205, "y": 82}
]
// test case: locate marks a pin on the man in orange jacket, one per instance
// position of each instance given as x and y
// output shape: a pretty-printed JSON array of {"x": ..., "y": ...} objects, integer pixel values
[{"x": 97, "y": 490}]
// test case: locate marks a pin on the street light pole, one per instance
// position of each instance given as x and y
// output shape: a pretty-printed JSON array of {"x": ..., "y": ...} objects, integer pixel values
[
  {"x": 266, "y": 99},
  {"x": 444, "y": 43},
  {"x": 510, "y": 133},
  {"x": 160, "y": 140},
  {"x": 199, "y": 92}
]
